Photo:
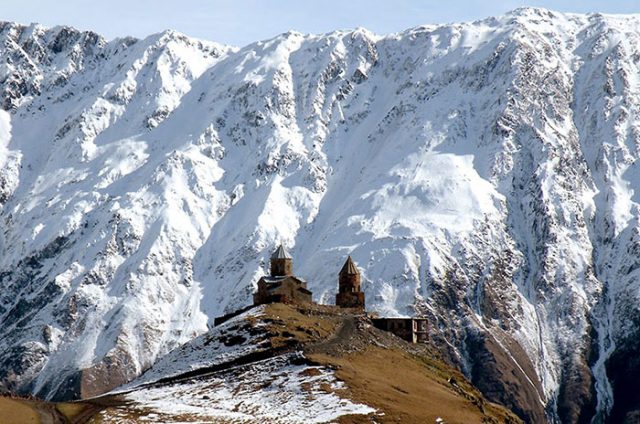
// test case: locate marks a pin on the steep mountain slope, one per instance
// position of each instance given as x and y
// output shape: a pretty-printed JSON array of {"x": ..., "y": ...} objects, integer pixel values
[
  {"x": 483, "y": 174},
  {"x": 126, "y": 87}
]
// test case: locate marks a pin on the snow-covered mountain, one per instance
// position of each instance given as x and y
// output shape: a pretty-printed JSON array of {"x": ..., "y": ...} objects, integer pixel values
[{"x": 483, "y": 174}]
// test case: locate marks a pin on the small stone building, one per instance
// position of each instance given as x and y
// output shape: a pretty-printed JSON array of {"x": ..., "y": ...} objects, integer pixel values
[
  {"x": 413, "y": 330},
  {"x": 349, "y": 293},
  {"x": 281, "y": 286}
]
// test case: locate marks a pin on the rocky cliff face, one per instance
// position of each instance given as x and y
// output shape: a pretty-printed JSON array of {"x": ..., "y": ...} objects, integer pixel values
[{"x": 483, "y": 174}]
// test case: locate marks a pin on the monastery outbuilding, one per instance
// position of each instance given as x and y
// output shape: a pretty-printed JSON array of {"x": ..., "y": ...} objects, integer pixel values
[{"x": 413, "y": 330}]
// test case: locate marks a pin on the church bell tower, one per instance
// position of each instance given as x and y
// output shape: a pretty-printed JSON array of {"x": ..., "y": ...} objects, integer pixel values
[
  {"x": 281, "y": 262},
  {"x": 349, "y": 293}
]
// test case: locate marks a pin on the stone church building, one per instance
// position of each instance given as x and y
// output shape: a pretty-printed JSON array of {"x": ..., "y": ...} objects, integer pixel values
[
  {"x": 281, "y": 285},
  {"x": 284, "y": 287}
]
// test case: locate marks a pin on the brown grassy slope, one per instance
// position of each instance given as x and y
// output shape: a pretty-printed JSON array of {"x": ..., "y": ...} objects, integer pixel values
[
  {"x": 406, "y": 383},
  {"x": 407, "y": 391},
  {"x": 16, "y": 410}
]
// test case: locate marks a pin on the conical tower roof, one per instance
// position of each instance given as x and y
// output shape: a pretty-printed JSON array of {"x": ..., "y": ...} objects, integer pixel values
[
  {"x": 349, "y": 267},
  {"x": 281, "y": 253}
]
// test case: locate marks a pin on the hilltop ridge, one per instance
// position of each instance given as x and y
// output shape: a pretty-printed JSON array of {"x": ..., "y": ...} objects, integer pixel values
[{"x": 288, "y": 364}]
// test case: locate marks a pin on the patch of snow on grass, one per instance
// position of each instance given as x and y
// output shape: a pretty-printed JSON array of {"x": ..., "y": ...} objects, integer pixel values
[{"x": 273, "y": 391}]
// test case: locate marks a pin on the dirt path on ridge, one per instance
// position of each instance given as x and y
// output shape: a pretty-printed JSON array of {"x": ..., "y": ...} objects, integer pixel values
[{"x": 338, "y": 342}]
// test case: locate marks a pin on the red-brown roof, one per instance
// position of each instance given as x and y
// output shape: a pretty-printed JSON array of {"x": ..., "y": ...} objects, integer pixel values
[{"x": 349, "y": 267}]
